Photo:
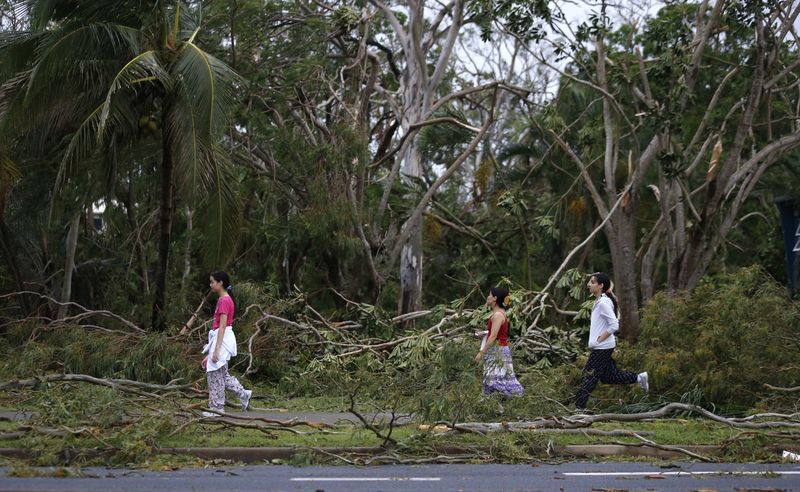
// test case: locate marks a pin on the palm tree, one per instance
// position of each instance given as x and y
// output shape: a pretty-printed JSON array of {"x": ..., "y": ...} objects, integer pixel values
[{"x": 98, "y": 71}]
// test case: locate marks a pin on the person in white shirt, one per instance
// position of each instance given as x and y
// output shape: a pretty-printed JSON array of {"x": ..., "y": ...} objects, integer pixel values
[{"x": 601, "y": 367}]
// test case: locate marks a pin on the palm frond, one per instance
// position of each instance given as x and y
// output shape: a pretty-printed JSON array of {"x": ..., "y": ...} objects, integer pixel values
[
  {"x": 81, "y": 145},
  {"x": 188, "y": 143},
  {"x": 142, "y": 69},
  {"x": 189, "y": 21},
  {"x": 8, "y": 168},
  {"x": 36, "y": 122},
  {"x": 9, "y": 92},
  {"x": 205, "y": 176},
  {"x": 185, "y": 20},
  {"x": 17, "y": 50},
  {"x": 219, "y": 211},
  {"x": 20, "y": 9},
  {"x": 61, "y": 55},
  {"x": 90, "y": 136},
  {"x": 47, "y": 12},
  {"x": 41, "y": 12},
  {"x": 209, "y": 86}
]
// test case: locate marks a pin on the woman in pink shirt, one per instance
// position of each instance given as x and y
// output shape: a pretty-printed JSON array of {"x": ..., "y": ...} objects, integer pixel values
[{"x": 221, "y": 347}]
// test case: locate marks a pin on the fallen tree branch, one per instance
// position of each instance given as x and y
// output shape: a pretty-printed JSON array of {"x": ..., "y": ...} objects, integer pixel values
[
  {"x": 125, "y": 385},
  {"x": 53, "y": 323},
  {"x": 778, "y": 388},
  {"x": 186, "y": 330},
  {"x": 679, "y": 449},
  {"x": 581, "y": 421},
  {"x": 387, "y": 439}
]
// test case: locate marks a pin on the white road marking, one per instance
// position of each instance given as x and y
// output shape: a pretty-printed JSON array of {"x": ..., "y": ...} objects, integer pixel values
[
  {"x": 679, "y": 473},
  {"x": 365, "y": 479}
]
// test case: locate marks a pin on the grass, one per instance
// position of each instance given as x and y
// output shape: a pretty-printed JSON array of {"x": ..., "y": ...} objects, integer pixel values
[
  {"x": 265, "y": 398},
  {"x": 204, "y": 435},
  {"x": 506, "y": 447},
  {"x": 686, "y": 432},
  {"x": 75, "y": 406}
]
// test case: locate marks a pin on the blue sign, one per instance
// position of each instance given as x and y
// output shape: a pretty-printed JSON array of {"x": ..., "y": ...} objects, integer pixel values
[{"x": 790, "y": 225}]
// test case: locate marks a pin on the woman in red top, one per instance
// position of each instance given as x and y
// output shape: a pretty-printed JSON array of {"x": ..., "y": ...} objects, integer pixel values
[
  {"x": 221, "y": 347},
  {"x": 498, "y": 370}
]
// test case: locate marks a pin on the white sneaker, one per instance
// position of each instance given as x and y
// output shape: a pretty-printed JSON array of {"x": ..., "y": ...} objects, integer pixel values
[
  {"x": 246, "y": 399},
  {"x": 211, "y": 414},
  {"x": 643, "y": 381}
]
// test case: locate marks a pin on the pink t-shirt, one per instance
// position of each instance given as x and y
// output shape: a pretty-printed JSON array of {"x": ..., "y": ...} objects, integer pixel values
[{"x": 224, "y": 306}]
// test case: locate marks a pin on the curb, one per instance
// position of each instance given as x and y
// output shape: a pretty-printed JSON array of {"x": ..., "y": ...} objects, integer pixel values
[
  {"x": 252, "y": 454},
  {"x": 261, "y": 454},
  {"x": 594, "y": 450}
]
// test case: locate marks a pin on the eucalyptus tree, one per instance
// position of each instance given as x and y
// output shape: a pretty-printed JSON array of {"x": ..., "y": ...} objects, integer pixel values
[
  {"x": 97, "y": 72},
  {"x": 351, "y": 89},
  {"x": 426, "y": 46},
  {"x": 685, "y": 112}
]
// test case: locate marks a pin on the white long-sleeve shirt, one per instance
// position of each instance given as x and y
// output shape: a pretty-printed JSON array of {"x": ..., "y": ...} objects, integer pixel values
[{"x": 603, "y": 320}]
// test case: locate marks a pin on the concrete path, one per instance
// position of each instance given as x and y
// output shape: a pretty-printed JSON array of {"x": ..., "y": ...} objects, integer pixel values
[{"x": 331, "y": 418}]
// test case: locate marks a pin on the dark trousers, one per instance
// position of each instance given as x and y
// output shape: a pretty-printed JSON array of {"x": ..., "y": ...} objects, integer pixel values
[{"x": 601, "y": 368}]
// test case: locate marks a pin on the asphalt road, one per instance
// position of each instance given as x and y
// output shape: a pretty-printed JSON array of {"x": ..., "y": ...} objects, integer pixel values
[{"x": 434, "y": 478}]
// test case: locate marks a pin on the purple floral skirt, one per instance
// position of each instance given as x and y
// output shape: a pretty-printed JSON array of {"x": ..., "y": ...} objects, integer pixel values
[{"x": 498, "y": 373}]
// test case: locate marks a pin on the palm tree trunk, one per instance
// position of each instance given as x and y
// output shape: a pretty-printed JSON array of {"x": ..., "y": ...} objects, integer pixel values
[{"x": 165, "y": 213}]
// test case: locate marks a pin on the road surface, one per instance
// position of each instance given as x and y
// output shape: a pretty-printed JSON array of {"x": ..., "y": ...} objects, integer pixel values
[{"x": 433, "y": 478}]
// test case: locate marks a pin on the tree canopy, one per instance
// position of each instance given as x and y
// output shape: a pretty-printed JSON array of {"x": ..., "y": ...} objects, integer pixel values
[{"x": 400, "y": 154}]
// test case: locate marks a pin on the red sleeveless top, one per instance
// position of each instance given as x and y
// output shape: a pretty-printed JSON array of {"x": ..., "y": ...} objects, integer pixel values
[{"x": 502, "y": 334}]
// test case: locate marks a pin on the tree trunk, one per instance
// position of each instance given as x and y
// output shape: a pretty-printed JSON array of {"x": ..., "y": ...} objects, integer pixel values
[
  {"x": 11, "y": 260},
  {"x": 69, "y": 265},
  {"x": 418, "y": 87},
  {"x": 623, "y": 256},
  {"x": 128, "y": 200},
  {"x": 709, "y": 232},
  {"x": 187, "y": 255},
  {"x": 411, "y": 273},
  {"x": 165, "y": 214},
  {"x": 411, "y": 257}
]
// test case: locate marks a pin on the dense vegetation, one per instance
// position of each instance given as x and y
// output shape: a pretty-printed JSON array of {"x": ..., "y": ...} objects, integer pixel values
[{"x": 350, "y": 161}]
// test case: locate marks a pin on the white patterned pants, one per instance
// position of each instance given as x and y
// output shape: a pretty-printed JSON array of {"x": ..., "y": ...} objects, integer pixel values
[{"x": 218, "y": 382}]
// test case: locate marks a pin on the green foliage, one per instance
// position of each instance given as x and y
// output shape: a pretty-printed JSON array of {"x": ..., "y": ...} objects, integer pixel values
[
  {"x": 101, "y": 418},
  {"x": 442, "y": 144},
  {"x": 301, "y": 157},
  {"x": 731, "y": 335},
  {"x": 525, "y": 18},
  {"x": 153, "y": 358}
]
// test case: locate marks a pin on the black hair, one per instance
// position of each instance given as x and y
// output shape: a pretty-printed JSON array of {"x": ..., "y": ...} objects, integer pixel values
[
  {"x": 604, "y": 280},
  {"x": 223, "y": 277},
  {"x": 501, "y": 295}
]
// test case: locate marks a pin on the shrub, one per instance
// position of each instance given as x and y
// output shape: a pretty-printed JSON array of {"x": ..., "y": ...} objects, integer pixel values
[{"x": 728, "y": 337}]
